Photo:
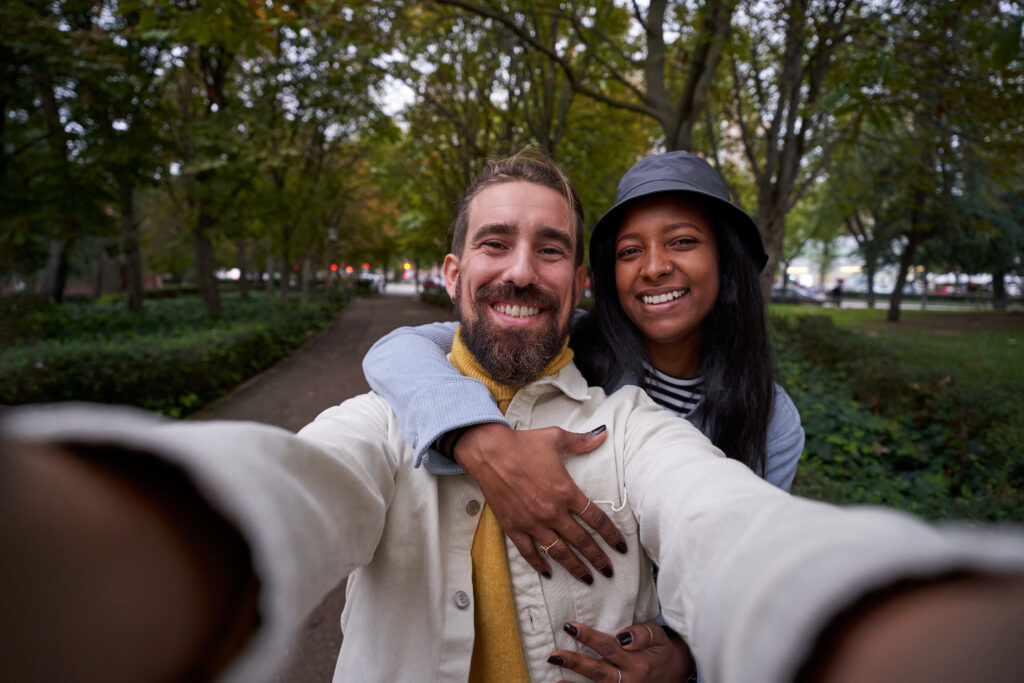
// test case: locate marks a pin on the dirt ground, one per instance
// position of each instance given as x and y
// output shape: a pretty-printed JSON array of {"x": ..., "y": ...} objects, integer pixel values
[{"x": 325, "y": 371}]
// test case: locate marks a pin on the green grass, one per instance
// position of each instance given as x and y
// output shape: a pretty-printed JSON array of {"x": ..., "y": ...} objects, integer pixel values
[{"x": 980, "y": 349}]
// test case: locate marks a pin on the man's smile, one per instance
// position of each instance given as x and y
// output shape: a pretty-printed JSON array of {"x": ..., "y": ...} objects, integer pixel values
[{"x": 516, "y": 310}]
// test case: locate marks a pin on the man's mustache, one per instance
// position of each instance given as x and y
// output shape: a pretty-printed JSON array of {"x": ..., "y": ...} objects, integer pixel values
[{"x": 531, "y": 295}]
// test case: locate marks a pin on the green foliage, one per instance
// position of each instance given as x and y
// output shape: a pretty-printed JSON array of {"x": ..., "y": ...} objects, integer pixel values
[
  {"x": 171, "y": 358},
  {"x": 921, "y": 436}
]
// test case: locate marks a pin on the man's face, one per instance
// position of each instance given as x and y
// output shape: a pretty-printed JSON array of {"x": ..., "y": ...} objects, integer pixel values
[{"x": 517, "y": 282}]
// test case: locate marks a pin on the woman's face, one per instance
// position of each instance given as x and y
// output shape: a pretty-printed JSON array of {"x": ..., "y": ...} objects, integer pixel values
[{"x": 666, "y": 273}]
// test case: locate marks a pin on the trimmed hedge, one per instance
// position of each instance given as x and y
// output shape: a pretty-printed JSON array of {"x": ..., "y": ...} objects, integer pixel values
[
  {"x": 438, "y": 298},
  {"x": 174, "y": 372}
]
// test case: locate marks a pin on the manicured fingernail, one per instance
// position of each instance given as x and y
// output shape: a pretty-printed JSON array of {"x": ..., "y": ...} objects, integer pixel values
[
  {"x": 587, "y": 579},
  {"x": 571, "y": 630},
  {"x": 624, "y": 638},
  {"x": 546, "y": 575},
  {"x": 607, "y": 571},
  {"x": 599, "y": 430},
  {"x": 621, "y": 547},
  {"x": 557, "y": 661}
]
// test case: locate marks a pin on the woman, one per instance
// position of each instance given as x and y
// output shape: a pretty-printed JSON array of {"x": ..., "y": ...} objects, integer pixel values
[{"x": 678, "y": 312}]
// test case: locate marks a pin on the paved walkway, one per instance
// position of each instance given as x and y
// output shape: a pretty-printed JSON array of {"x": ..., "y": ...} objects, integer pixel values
[{"x": 325, "y": 371}]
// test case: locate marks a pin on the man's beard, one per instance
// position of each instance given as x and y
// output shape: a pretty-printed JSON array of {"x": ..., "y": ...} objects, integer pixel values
[{"x": 511, "y": 355}]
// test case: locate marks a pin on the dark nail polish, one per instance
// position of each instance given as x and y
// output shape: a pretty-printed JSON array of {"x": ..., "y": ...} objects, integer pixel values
[
  {"x": 587, "y": 579},
  {"x": 607, "y": 571},
  {"x": 571, "y": 630},
  {"x": 599, "y": 430},
  {"x": 546, "y": 575},
  {"x": 624, "y": 638},
  {"x": 621, "y": 547},
  {"x": 557, "y": 661}
]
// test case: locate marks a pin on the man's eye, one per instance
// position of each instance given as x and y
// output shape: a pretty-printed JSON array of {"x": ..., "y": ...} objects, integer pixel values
[
  {"x": 493, "y": 244},
  {"x": 552, "y": 251}
]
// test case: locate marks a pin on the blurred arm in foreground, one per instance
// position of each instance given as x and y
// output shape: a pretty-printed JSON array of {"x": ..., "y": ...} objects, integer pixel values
[{"x": 116, "y": 568}]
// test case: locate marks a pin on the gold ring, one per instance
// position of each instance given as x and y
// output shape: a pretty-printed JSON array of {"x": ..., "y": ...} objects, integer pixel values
[
  {"x": 545, "y": 548},
  {"x": 650, "y": 631},
  {"x": 585, "y": 508}
]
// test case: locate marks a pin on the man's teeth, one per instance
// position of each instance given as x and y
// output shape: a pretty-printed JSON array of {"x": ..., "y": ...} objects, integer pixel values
[
  {"x": 662, "y": 298},
  {"x": 517, "y": 311}
]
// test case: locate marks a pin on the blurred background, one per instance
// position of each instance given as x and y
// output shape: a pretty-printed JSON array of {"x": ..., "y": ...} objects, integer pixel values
[{"x": 190, "y": 188}]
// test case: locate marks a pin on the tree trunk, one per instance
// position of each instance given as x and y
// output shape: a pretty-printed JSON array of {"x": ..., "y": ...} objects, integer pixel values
[
  {"x": 773, "y": 228},
  {"x": 869, "y": 271},
  {"x": 205, "y": 279},
  {"x": 270, "y": 276},
  {"x": 101, "y": 266},
  {"x": 306, "y": 278},
  {"x": 130, "y": 247},
  {"x": 906, "y": 260},
  {"x": 999, "y": 298},
  {"x": 56, "y": 274},
  {"x": 286, "y": 275},
  {"x": 242, "y": 263}
]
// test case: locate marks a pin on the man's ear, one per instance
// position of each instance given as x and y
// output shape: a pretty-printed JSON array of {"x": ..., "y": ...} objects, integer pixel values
[
  {"x": 451, "y": 275},
  {"x": 578, "y": 281}
]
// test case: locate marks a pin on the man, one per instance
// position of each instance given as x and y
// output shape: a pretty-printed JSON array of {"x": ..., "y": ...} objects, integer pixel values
[{"x": 342, "y": 498}]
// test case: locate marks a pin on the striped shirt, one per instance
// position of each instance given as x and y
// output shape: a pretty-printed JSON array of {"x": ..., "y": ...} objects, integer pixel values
[{"x": 680, "y": 396}]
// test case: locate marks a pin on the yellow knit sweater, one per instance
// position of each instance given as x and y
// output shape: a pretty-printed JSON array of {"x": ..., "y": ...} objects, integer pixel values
[{"x": 497, "y": 649}]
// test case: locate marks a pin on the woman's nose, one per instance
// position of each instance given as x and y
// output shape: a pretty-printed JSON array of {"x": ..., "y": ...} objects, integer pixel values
[{"x": 656, "y": 265}]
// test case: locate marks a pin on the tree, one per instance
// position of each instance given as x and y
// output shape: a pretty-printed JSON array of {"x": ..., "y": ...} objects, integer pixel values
[
  {"x": 783, "y": 105},
  {"x": 659, "y": 64}
]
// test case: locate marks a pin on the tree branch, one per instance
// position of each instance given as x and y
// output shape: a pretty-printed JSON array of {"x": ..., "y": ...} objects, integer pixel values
[{"x": 566, "y": 67}]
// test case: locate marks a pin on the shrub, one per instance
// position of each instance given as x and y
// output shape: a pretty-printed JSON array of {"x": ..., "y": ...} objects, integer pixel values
[
  {"x": 437, "y": 297},
  {"x": 884, "y": 431}
]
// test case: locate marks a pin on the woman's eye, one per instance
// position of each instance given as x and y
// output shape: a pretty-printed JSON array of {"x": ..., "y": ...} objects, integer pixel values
[
  {"x": 684, "y": 242},
  {"x": 627, "y": 252}
]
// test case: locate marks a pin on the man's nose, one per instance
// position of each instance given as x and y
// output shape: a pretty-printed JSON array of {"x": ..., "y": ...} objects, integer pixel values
[{"x": 521, "y": 267}]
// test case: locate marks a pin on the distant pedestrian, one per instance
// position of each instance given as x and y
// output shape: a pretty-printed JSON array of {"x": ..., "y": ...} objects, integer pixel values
[{"x": 837, "y": 294}]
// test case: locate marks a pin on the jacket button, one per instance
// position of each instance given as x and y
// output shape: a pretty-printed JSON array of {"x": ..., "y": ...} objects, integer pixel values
[
  {"x": 472, "y": 507},
  {"x": 461, "y": 599}
]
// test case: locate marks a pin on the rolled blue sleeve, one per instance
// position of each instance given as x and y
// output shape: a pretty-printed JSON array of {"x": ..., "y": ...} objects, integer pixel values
[
  {"x": 784, "y": 443},
  {"x": 409, "y": 367}
]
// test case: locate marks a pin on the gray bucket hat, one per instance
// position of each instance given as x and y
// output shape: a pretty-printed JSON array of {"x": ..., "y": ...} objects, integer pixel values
[{"x": 680, "y": 172}]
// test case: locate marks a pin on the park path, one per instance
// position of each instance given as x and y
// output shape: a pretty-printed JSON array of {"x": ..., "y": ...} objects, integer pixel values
[{"x": 322, "y": 373}]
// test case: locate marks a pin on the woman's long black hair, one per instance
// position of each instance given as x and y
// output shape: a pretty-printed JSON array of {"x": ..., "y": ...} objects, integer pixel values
[{"x": 735, "y": 356}]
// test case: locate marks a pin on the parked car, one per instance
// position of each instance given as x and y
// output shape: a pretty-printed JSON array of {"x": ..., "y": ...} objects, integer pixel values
[
  {"x": 370, "y": 282},
  {"x": 795, "y": 293}
]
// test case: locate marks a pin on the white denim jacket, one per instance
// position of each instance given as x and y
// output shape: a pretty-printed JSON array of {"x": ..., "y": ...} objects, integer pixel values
[{"x": 748, "y": 574}]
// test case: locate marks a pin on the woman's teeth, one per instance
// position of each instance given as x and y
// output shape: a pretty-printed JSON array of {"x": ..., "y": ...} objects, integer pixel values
[
  {"x": 517, "y": 311},
  {"x": 662, "y": 298}
]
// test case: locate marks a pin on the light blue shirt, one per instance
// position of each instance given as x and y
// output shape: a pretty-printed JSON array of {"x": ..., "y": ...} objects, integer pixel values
[{"x": 409, "y": 367}]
